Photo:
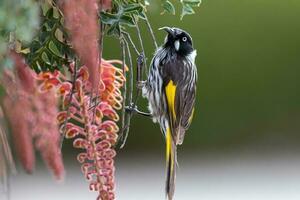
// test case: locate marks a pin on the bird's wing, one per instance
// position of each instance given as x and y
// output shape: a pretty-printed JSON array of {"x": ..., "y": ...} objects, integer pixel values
[
  {"x": 185, "y": 101},
  {"x": 180, "y": 92}
]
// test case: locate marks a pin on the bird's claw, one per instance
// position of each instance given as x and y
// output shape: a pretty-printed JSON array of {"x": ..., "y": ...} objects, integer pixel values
[{"x": 132, "y": 108}]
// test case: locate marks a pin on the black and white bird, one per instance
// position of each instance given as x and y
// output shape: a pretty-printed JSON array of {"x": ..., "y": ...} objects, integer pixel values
[{"x": 171, "y": 92}]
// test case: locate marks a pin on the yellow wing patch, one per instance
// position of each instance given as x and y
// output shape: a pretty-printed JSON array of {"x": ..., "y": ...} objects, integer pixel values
[
  {"x": 170, "y": 93},
  {"x": 192, "y": 115}
]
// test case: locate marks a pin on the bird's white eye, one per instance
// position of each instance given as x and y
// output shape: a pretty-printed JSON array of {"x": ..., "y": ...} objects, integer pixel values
[{"x": 184, "y": 39}]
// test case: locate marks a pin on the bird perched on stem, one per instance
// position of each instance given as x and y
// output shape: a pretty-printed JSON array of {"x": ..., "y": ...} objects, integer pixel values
[{"x": 171, "y": 92}]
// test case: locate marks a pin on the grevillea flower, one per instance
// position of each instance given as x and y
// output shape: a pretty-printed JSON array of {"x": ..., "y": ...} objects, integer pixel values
[
  {"x": 32, "y": 115},
  {"x": 91, "y": 124},
  {"x": 82, "y": 21}
]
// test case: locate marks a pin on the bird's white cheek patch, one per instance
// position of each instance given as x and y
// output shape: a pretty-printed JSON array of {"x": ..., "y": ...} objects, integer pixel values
[{"x": 177, "y": 45}]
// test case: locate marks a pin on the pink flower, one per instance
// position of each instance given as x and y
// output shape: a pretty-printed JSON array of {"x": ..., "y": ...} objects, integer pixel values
[
  {"x": 32, "y": 115},
  {"x": 93, "y": 126},
  {"x": 82, "y": 21}
]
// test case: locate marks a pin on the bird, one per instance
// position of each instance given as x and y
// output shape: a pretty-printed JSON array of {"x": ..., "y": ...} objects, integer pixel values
[{"x": 170, "y": 89}]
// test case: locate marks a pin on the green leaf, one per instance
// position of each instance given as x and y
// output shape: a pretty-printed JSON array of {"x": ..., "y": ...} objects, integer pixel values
[
  {"x": 53, "y": 48},
  {"x": 127, "y": 20},
  {"x": 186, "y": 10},
  {"x": 108, "y": 18},
  {"x": 48, "y": 50},
  {"x": 145, "y": 2},
  {"x": 193, "y": 3},
  {"x": 133, "y": 8},
  {"x": 45, "y": 57},
  {"x": 142, "y": 15},
  {"x": 114, "y": 30},
  {"x": 49, "y": 13},
  {"x": 169, "y": 7}
]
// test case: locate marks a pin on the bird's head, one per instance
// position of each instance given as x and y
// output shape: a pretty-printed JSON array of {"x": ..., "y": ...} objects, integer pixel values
[{"x": 179, "y": 40}]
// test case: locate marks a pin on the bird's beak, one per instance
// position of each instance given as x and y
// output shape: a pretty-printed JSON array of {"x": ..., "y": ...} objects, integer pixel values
[{"x": 168, "y": 30}]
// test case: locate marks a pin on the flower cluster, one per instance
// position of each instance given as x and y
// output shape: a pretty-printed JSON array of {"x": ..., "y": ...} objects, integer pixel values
[
  {"x": 90, "y": 118},
  {"x": 32, "y": 115},
  {"x": 81, "y": 20}
]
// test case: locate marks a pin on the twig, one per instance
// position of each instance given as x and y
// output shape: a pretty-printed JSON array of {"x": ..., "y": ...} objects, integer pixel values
[
  {"x": 131, "y": 42},
  {"x": 142, "y": 65},
  {"x": 125, "y": 87},
  {"x": 125, "y": 129},
  {"x": 139, "y": 77},
  {"x": 141, "y": 44},
  {"x": 151, "y": 32},
  {"x": 131, "y": 71}
]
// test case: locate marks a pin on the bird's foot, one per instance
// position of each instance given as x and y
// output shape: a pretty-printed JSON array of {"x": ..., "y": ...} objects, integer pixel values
[{"x": 133, "y": 109}]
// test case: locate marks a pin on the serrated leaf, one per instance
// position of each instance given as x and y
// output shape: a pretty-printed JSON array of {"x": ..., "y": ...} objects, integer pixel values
[{"x": 169, "y": 7}]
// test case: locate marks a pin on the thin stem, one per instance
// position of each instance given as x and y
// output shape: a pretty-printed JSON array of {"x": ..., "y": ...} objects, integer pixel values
[
  {"x": 131, "y": 71},
  {"x": 125, "y": 87},
  {"x": 142, "y": 45},
  {"x": 131, "y": 42},
  {"x": 139, "y": 78},
  {"x": 125, "y": 129},
  {"x": 151, "y": 32}
]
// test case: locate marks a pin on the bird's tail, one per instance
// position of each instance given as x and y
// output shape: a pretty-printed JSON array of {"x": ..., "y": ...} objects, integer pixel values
[{"x": 170, "y": 165}]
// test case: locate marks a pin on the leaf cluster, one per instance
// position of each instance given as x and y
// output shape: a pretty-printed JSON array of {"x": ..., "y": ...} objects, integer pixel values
[
  {"x": 49, "y": 49},
  {"x": 123, "y": 14},
  {"x": 187, "y": 7},
  {"x": 127, "y": 12}
]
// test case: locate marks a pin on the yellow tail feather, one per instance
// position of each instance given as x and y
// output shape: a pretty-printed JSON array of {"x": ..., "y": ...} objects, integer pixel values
[{"x": 170, "y": 165}]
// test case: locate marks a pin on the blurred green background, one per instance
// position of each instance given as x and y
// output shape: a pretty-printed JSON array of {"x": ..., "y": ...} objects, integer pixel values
[{"x": 248, "y": 66}]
